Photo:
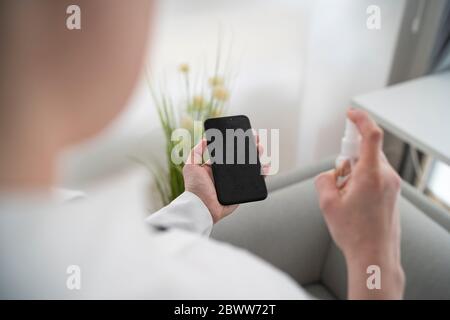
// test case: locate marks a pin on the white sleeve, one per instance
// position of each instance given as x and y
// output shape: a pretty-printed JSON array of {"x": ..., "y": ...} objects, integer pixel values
[{"x": 187, "y": 212}]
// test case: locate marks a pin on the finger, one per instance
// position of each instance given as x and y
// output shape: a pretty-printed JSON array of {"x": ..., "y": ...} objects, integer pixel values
[
  {"x": 196, "y": 155},
  {"x": 265, "y": 170},
  {"x": 329, "y": 195},
  {"x": 372, "y": 136},
  {"x": 209, "y": 171},
  {"x": 383, "y": 157},
  {"x": 255, "y": 135},
  {"x": 260, "y": 149}
]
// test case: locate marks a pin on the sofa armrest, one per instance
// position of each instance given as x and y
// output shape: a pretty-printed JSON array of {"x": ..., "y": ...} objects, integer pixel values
[{"x": 436, "y": 213}]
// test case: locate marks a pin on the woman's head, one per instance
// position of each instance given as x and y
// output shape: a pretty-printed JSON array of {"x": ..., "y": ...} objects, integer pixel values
[{"x": 72, "y": 82}]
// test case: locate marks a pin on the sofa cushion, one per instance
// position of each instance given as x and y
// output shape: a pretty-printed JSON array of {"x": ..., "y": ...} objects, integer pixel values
[
  {"x": 319, "y": 291},
  {"x": 287, "y": 230}
]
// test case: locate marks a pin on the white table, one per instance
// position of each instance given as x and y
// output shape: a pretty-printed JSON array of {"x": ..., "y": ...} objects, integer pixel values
[{"x": 417, "y": 111}]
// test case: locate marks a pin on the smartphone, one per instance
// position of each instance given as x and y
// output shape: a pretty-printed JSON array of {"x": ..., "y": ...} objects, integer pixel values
[{"x": 234, "y": 160}]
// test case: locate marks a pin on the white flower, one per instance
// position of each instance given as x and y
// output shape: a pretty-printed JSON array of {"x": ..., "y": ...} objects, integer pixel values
[
  {"x": 220, "y": 93},
  {"x": 184, "y": 68},
  {"x": 187, "y": 122},
  {"x": 198, "y": 102},
  {"x": 216, "y": 81}
]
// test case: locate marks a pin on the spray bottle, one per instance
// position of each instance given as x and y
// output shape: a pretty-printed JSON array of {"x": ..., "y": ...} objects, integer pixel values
[{"x": 349, "y": 154}]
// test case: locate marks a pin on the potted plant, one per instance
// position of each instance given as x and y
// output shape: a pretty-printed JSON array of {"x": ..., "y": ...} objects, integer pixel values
[{"x": 207, "y": 98}]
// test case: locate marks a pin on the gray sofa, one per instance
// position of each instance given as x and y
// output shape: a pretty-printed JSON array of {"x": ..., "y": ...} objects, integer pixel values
[{"x": 288, "y": 230}]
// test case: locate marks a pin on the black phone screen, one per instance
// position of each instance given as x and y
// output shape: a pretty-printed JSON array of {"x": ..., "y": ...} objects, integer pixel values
[{"x": 234, "y": 160}]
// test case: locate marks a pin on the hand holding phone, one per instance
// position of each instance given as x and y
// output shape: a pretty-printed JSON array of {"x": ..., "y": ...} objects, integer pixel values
[{"x": 198, "y": 179}]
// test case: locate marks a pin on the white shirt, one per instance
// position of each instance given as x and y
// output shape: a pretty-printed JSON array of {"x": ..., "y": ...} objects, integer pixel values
[{"x": 109, "y": 249}]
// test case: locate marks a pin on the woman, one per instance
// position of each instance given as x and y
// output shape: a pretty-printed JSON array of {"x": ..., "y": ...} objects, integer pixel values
[{"x": 61, "y": 86}]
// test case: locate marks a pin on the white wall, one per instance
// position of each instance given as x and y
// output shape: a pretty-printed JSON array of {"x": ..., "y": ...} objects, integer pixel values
[
  {"x": 343, "y": 59},
  {"x": 298, "y": 64},
  {"x": 268, "y": 38}
]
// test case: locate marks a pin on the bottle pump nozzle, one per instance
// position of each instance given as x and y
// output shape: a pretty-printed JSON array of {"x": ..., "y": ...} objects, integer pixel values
[{"x": 349, "y": 154}]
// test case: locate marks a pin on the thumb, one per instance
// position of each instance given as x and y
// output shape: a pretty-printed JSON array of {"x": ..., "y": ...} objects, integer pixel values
[
  {"x": 196, "y": 155},
  {"x": 329, "y": 196}
]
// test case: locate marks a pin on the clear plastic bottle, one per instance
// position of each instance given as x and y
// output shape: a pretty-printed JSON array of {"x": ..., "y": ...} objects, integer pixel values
[{"x": 349, "y": 154}]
